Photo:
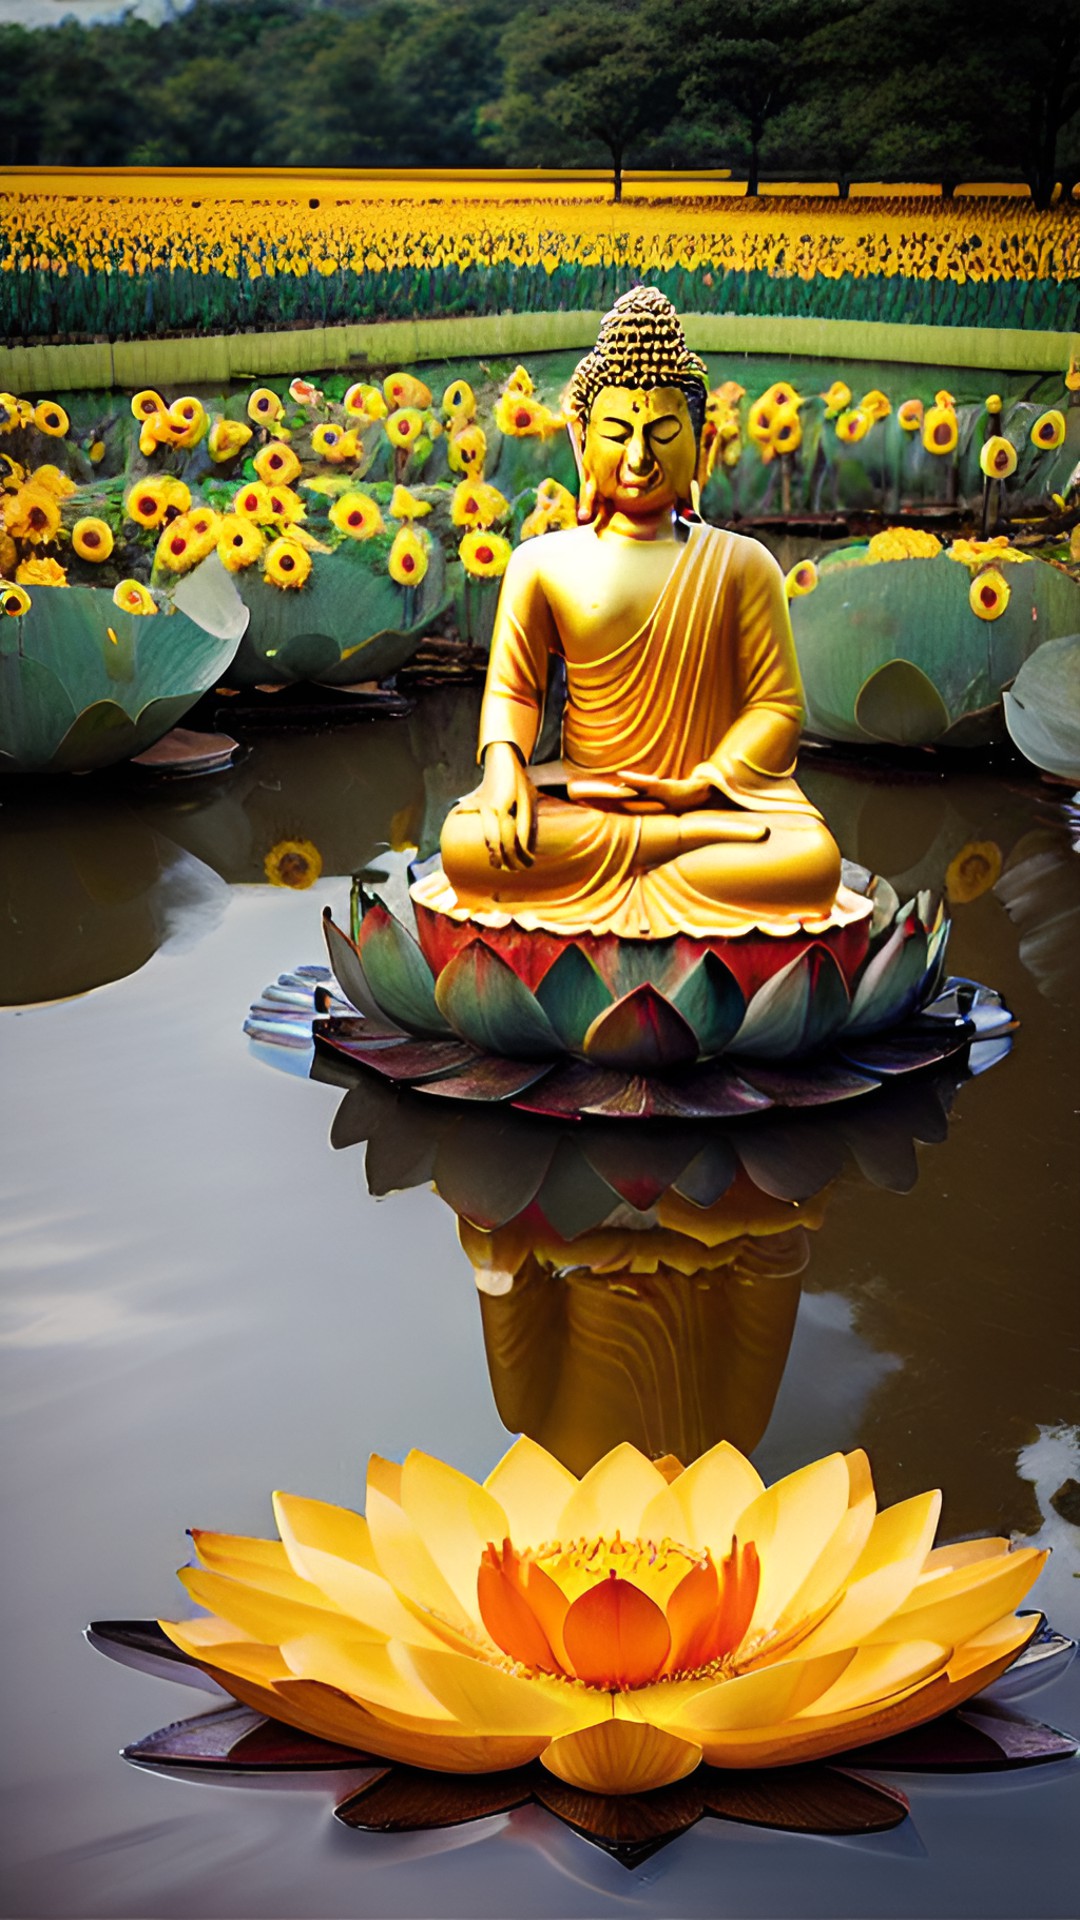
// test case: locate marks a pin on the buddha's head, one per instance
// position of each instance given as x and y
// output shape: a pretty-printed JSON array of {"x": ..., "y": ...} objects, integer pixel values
[{"x": 636, "y": 405}]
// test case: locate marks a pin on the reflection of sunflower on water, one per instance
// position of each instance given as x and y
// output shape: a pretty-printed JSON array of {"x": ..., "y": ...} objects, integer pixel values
[
  {"x": 293, "y": 863},
  {"x": 974, "y": 870}
]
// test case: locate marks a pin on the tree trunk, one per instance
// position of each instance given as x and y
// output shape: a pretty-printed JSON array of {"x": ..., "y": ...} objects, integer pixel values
[
  {"x": 616, "y": 171},
  {"x": 755, "y": 162}
]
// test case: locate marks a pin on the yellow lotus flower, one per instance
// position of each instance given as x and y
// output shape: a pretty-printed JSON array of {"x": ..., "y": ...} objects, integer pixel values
[
  {"x": 467, "y": 451},
  {"x": 459, "y": 402},
  {"x": 939, "y": 431},
  {"x": 293, "y": 863},
  {"x": 405, "y": 505},
  {"x": 989, "y": 593},
  {"x": 356, "y": 514},
  {"x": 365, "y": 401},
  {"x": 227, "y": 439},
  {"x": 802, "y": 578},
  {"x": 286, "y": 563},
  {"x": 404, "y": 390},
  {"x": 264, "y": 407},
  {"x": 974, "y": 870},
  {"x": 404, "y": 427},
  {"x": 477, "y": 504},
  {"x": 837, "y": 398},
  {"x": 333, "y": 443},
  {"x": 132, "y": 597},
  {"x": 852, "y": 425},
  {"x": 146, "y": 403},
  {"x": 997, "y": 457},
  {"x": 240, "y": 541},
  {"x": 276, "y": 462},
  {"x": 902, "y": 543},
  {"x": 41, "y": 573},
  {"x": 407, "y": 561},
  {"x": 51, "y": 419},
  {"x": 620, "y": 1628},
  {"x": 1048, "y": 431},
  {"x": 92, "y": 538},
  {"x": 60, "y": 485},
  {"x": 147, "y": 501},
  {"x": 485, "y": 555},
  {"x": 14, "y": 601},
  {"x": 33, "y": 515},
  {"x": 910, "y": 415}
]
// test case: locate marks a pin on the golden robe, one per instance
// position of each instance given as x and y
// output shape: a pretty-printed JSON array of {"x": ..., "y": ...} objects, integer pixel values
[{"x": 707, "y": 688}]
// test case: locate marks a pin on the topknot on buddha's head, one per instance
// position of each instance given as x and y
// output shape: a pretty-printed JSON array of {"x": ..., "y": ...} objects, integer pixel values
[{"x": 641, "y": 344}]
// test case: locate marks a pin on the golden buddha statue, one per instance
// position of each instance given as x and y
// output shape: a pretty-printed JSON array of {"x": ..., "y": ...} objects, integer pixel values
[{"x": 673, "y": 808}]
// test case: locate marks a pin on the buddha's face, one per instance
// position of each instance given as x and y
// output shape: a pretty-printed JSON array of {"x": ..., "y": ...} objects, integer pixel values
[{"x": 640, "y": 450}]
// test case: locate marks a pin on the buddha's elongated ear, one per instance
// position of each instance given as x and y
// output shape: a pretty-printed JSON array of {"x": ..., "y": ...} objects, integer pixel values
[{"x": 586, "y": 510}]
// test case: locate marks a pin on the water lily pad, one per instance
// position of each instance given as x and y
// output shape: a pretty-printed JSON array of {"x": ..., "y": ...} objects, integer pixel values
[
  {"x": 899, "y": 704},
  {"x": 1042, "y": 708},
  {"x": 350, "y": 621}
]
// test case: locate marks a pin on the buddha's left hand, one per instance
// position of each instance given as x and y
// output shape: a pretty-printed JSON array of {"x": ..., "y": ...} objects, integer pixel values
[{"x": 675, "y": 796}]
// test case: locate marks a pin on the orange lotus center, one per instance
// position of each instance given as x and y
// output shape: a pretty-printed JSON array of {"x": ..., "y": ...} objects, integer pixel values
[{"x": 616, "y": 1614}]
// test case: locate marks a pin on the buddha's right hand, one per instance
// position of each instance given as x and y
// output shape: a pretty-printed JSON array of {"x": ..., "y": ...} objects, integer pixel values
[{"x": 507, "y": 804}]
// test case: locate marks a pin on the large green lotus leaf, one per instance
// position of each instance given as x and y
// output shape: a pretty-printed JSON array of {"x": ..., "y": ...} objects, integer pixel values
[
  {"x": 154, "y": 669},
  {"x": 710, "y": 998},
  {"x": 898, "y": 703},
  {"x": 485, "y": 1002},
  {"x": 860, "y": 619},
  {"x": 34, "y": 711},
  {"x": 398, "y": 974},
  {"x": 349, "y": 622},
  {"x": 572, "y": 995},
  {"x": 1042, "y": 708}
]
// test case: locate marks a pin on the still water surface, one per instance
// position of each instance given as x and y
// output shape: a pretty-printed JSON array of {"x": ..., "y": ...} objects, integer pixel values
[{"x": 223, "y": 1278}]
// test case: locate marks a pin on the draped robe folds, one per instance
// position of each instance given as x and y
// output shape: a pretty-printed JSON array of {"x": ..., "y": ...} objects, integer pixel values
[{"x": 708, "y": 688}]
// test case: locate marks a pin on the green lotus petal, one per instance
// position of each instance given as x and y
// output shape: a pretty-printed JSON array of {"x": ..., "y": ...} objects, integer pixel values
[
  {"x": 347, "y": 970},
  {"x": 901, "y": 704},
  {"x": 641, "y": 1033},
  {"x": 889, "y": 983},
  {"x": 829, "y": 1004},
  {"x": 886, "y": 907},
  {"x": 710, "y": 998},
  {"x": 775, "y": 1020},
  {"x": 486, "y": 1003},
  {"x": 1042, "y": 709},
  {"x": 572, "y": 995},
  {"x": 397, "y": 973},
  {"x": 645, "y": 962},
  {"x": 35, "y": 711}
]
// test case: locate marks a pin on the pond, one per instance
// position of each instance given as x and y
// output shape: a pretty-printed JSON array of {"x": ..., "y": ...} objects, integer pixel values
[{"x": 210, "y": 1296}]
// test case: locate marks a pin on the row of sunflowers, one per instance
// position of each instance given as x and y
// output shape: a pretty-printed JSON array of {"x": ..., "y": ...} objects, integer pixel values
[{"x": 74, "y": 264}]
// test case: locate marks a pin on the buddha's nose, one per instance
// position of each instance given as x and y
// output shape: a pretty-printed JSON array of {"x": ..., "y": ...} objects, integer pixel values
[{"x": 639, "y": 456}]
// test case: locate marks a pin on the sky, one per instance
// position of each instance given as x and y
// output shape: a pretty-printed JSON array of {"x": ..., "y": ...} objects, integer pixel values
[{"x": 49, "y": 13}]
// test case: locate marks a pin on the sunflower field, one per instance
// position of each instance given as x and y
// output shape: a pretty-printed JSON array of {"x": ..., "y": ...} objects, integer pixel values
[{"x": 93, "y": 264}]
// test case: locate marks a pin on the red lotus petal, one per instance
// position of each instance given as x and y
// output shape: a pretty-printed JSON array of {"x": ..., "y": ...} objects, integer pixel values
[{"x": 615, "y": 1636}]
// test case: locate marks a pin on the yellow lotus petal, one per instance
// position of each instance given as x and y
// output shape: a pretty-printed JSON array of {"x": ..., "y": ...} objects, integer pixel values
[
  {"x": 612, "y": 1496},
  {"x": 322, "y": 1711},
  {"x": 834, "y": 1564},
  {"x": 791, "y": 1523},
  {"x": 707, "y": 1498},
  {"x": 788, "y": 1742},
  {"x": 988, "y": 1654},
  {"x": 486, "y": 1699},
  {"x": 202, "y": 1636},
  {"x": 223, "y": 1553},
  {"x": 620, "y": 1756},
  {"x": 961, "y": 1553},
  {"x": 242, "y": 1660},
  {"x": 373, "y": 1675},
  {"x": 404, "y": 1561},
  {"x": 961, "y": 1605},
  {"x": 219, "y": 1550},
  {"x": 456, "y": 1519},
  {"x": 769, "y": 1694},
  {"x": 883, "y": 1576},
  {"x": 532, "y": 1488},
  {"x": 876, "y": 1673},
  {"x": 349, "y": 1579},
  {"x": 266, "y": 1616}
]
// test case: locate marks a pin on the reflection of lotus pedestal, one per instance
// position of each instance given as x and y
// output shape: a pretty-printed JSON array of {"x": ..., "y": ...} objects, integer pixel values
[{"x": 678, "y": 1028}]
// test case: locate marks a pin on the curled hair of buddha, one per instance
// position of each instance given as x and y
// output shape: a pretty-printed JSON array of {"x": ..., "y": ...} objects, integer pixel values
[{"x": 640, "y": 345}]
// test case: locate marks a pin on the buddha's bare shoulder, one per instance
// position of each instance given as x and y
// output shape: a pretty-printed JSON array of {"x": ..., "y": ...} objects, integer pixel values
[{"x": 548, "y": 558}]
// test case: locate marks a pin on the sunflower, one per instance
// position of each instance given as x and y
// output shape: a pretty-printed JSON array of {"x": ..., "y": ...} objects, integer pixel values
[
  {"x": 189, "y": 420},
  {"x": 939, "y": 430},
  {"x": 92, "y": 538},
  {"x": 902, "y": 543},
  {"x": 146, "y": 403},
  {"x": 405, "y": 505},
  {"x": 981, "y": 553},
  {"x": 33, "y": 515},
  {"x": 993, "y": 403},
  {"x": 408, "y": 558},
  {"x": 1048, "y": 431},
  {"x": 41, "y": 573},
  {"x": 555, "y": 509},
  {"x": 9, "y": 413},
  {"x": 240, "y": 541},
  {"x": 253, "y": 501},
  {"x": 357, "y": 515},
  {"x": 786, "y": 430},
  {"x": 157, "y": 430},
  {"x": 988, "y": 595},
  {"x": 227, "y": 439},
  {"x": 852, "y": 425},
  {"x": 476, "y": 504},
  {"x": 285, "y": 505},
  {"x": 277, "y": 462},
  {"x": 293, "y": 863},
  {"x": 14, "y": 601},
  {"x": 782, "y": 394},
  {"x": 264, "y": 407},
  {"x": 181, "y": 548},
  {"x": 759, "y": 420},
  {"x": 997, "y": 457},
  {"x": 95, "y": 452},
  {"x": 404, "y": 391},
  {"x": 203, "y": 521},
  {"x": 286, "y": 563},
  {"x": 177, "y": 495},
  {"x": 484, "y": 555},
  {"x": 147, "y": 501},
  {"x": 837, "y": 398},
  {"x": 459, "y": 402},
  {"x": 467, "y": 450},
  {"x": 944, "y": 398},
  {"x": 132, "y": 597},
  {"x": 802, "y": 578},
  {"x": 520, "y": 381},
  {"x": 365, "y": 402},
  {"x": 876, "y": 404},
  {"x": 522, "y": 417},
  {"x": 974, "y": 870},
  {"x": 334, "y": 444},
  {"x": 51, "y": 419},
  {"x": 910, "y": 415},
  {"x": 53, "y": 481},
  {"x": 403, "y": 428}
]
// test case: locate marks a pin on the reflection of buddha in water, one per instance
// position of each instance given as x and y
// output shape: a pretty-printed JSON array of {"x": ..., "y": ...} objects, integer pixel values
[
  {"x": 672, "y": 1332},
  {"x": 673, "y": 807}
]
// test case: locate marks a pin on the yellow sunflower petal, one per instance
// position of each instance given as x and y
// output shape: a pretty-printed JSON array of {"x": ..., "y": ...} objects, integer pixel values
[
  {"x": 620, "y": 1756},
  {"x": 883, "y": 1575},
  {"x": 612, "y": 1496},
  {"x": 532, "y": 1488},
  {"x": 705, "y": 1502},
  {"x": 456, "y": 1519}
]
